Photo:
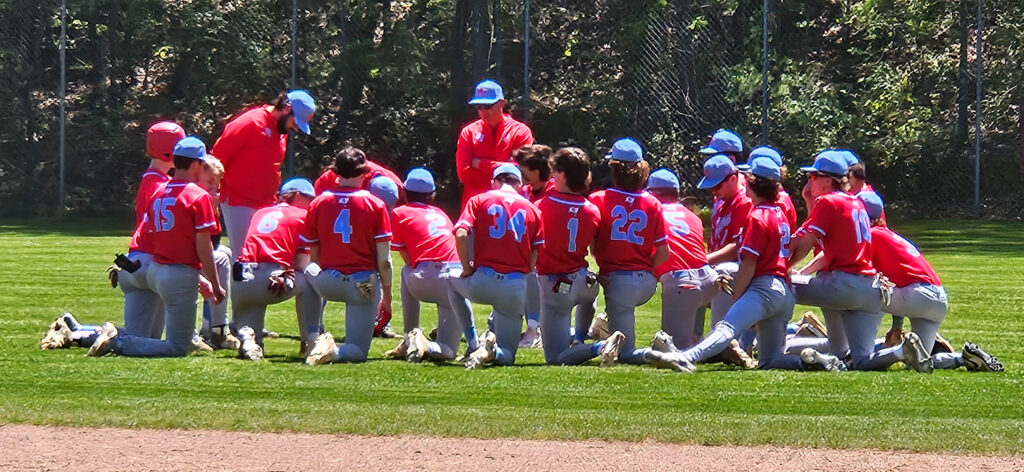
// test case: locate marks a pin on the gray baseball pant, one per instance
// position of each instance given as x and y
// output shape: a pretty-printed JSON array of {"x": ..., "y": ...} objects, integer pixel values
[
  {"x": 926, "y": 305},
  {"x": 143, "y": 309},
  {"x": 250, "y": 298},
  {"x": 768, "y": 304},
  {"x": 427, "y": 282},
  {"x": 684, "y": 293},
  {"x": 178, "y": 286},
  {"x": 360, "y": 309},
  {"x": 533, "y": 300},
  {"x": 236, "y": 225},
  {"x": 623, "y": 292},
  {"x": 556, "y": 315},
  {"x": 506, "y": 294},
  {"x": 852, "y": 306},
  {"x": 216, "y": 314}
]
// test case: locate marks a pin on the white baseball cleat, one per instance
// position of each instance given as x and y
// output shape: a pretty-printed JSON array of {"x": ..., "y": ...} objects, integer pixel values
[
  {"x": 323, "y": 351},
  {"x": 483, "y": 354},
  {"x": 104, "y": 342},
  {"x": 249, "y": 348},
  {"x": 531, "y": 338},
  {"x": 58, "y": 336},
  {"x": 398, "y": 352},
  {"x": 71, "y": 321},
  {"x": 914, "y": 356},
  {"x": 198, "y": 344},
  {"x": 814, "y": 360},
  {"x": 599, "y": 327},
  {"x": 735, "y": 355},
  {"x": 663, "y": 342},
  {"x": 664, "y": 360},
  {"x": 975, "y": 359},
  {"x": 417, "y": 345},
  {"x": 610, "y": 351}
]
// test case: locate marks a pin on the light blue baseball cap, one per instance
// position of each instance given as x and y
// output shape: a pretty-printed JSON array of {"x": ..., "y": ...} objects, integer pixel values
[
  {"x": 626, "y": 150},
  {"x": 663, "y": 178},
  {"x": 724, "y": 140},
  {"x": 850, "y": 156},
  {"x": 385, "y": 189},
  {"x": 508, "y": 169},
  {"x": 831, "y": 162},
  {"x": 766, "y": 151},
  {"x": 419, "y": 180},
  {"x": 487, "y": 92},
  {"x": 298, "y": 184},
  {"x": 762, "y": 166},
  {"x": 872, "y": 203},
  {"x": 190, "y": 146},
  {"x": 303, "y": 107},
  {"x": 716, "y": 169}
]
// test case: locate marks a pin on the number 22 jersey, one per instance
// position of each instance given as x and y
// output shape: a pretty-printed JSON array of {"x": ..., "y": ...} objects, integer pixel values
[{"x": 631, "y": 227}]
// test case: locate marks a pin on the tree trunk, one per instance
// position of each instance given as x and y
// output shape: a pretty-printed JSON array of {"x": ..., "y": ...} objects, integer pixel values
[
  {"x": 497, "y": 42},
  {"x": 964, "y": 86},
  {"x": 480, "y": 38},
  {"x": 459, "y": 86},
  {"x": 1020, "y": 136}
]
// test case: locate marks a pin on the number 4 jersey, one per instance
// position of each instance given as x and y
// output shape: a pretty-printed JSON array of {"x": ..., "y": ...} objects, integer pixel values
[
  {"x": 347, "y": 224},
  {"x": 505, "y": 228},
  {"x": 425, "y": 232},
  {"x": 570, "y": 223},
  {"x": 176, "y": 213},
  {"x": 273, "y": 235},
  {"x": 631, "y": 227}
]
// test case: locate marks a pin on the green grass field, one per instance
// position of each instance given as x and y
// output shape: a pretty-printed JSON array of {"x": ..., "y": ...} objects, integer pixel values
[{"x": 50, "y": 267}]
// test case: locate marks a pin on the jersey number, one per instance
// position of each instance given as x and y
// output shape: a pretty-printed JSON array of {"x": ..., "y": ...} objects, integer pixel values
[
  {"x": 163, "y": 218},
  {"x": 269, "y": 222},
  {"x": 435, "y": 224},
  {"x": 863, "y": 224},
  {"x": 574, "y": 228},
  {"x": 343, "y": 227},
  {"x": 784, "y": 240},
  {"x": 502, "y": 223},
  {"x": 637, "y": 222},
  {"x": 677, "y": 224}
]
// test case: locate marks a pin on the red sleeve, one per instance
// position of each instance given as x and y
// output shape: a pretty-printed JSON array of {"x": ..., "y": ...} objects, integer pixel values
[
  {"x": 820, "y": 219},
  {"x": 522, "y": 137},
  {"x": 468, "y": 216},
  {"x": 326, "y": 181},
  {"x": 310, "y": 232},
  {"x": 740, "y": 214},
  {"x": 203, "y": 217},
  {"x": 658, "y": 229},
  {"x": 755, "y": 238},
  {"x": 464, "y": 153},
  {"x": 397, "y": 238},
  {"x": 538, "y": 228},
  {"x": 382, "y": 230},
  {"x": 231, "y": 142}
]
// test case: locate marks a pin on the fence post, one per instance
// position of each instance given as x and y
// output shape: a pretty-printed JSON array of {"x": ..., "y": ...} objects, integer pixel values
[
  {"x": 977, "y": 117},
  {"x": 291, "y": 83},
  {"x": 61, "y": 208},
  {"x": 526, "y": 60},
  {"x": 764, "y": 71}
]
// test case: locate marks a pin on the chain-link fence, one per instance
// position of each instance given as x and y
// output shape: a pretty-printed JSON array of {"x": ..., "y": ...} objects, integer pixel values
[{"x": 392, "y": 77}]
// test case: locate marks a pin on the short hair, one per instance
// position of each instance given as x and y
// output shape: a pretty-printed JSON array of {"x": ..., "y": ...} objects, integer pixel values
[
  {"x": 212, "y": 164},
  {"x": 765, "y": 188},
  {"x": 280, "y": 101},
  {"x": 838, "y": 182},
  {"x": 350, "y": 163},
  {"x": 665, "y": 193},
  {"x": 508, "y": 179},
  {"x": 629, "y": 176},
  {"x": 426, "y": 198},
  {"x": 183, "y": 162},
  {"x": 575, "y": 164},
  {"x": 857, "y": 171},
  {"x": 534, "y": 157}
]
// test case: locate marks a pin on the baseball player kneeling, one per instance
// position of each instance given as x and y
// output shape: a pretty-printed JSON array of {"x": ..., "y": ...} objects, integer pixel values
[
  {"x": 348, "y": 231},
  {"x": 422, "y": 234},
  {"x": 269, "y": 270},
  {"x": 506, "y": 232}
]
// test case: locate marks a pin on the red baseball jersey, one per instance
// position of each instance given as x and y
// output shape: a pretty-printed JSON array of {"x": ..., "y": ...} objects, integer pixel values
[
  {"x": 535, "y": 195},
  {"x": 631, "y": 227},
  {"x": 845, "y": 229},
  {"x": 766, "y": 237},
  {"x": 899, "y": 259},
  {"x": 251, "y": 150},
  {"x": 493, "y": 146},
  {"x": 425, "y": 232},
  {"x": 570, "y": 223},
  {"x": 328, "y": 180},
  {"x": 786, "y": 203},
  {"x": 728, "y": 218},
  {"x": 685, "y": 239},
  {"x": 273, "y": 235},
  {"x": 506, "y": 227},
  {"x": 152, "y": 183},
  {"x": 347, "y": 224},
  {"x": 176, "y": 214}
]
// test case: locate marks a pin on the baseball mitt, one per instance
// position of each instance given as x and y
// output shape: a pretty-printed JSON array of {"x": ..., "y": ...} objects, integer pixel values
[
  {"x": 112, "y": 274},
  {"x": 281, "y": 281},
  {"x": 723, "y": 282}
]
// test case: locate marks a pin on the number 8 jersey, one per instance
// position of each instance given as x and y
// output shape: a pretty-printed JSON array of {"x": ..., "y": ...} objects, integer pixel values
[
  {"x": 347, "y": 224},
  {"x": 631, "y": 227},
  {"x": 505, "y": 228}
]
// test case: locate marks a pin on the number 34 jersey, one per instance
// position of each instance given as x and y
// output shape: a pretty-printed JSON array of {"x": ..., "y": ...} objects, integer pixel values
[
  {"x": 425, "y": 232},
  {"x": 505, "y": 228},
  {"x": 631, "y": 228},
  {"x": 273, "y": 235},
  {"x": 570, "y": 223},
  {"x": 347, "y": 223}
]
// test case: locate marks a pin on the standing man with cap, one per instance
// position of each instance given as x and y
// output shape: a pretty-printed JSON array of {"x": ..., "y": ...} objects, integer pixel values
[
  {"x": 182, "y": 218},
  {"x": 252, "y": 148},
  {"x": 488, "y": 142},
  {"x": 725, "y": 141}
]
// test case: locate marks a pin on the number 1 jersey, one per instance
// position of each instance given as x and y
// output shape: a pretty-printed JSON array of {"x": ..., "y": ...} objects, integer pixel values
[{"x": 570, "y": 223}]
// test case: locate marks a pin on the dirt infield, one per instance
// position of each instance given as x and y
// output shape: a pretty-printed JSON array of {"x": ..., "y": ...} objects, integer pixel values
[{"x": 24, "y": 447}]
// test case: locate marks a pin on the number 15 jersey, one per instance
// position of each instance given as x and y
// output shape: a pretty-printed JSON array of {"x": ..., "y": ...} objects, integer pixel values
[
  {"x": 347, "y": 224},
  {"x": 505, "y": 228},
  {"x": 631, "y": 227},
  {"x": 570, "y": 223}
]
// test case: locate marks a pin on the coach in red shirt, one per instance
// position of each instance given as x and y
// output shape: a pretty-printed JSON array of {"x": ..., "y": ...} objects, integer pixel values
[
  {"x": 488, "y": 142},
  {"x": 252, "y": 148}
]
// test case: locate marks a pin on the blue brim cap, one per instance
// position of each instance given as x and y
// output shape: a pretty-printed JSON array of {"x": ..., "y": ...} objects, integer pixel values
[
  {"x": 626, "y": 150},
  {"x": 487, "y": 92},
  {"x": 663, "y": 178},
  {"x": 508, "y": 169},
  {"x": 716, "y": 169},
  {"x": 298, "y": 184},
  {"x": 303, "y": 107}
]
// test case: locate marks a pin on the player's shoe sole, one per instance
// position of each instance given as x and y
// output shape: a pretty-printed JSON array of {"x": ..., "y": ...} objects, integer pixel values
[
  {"x": 104, "y": 342},
  {"x": 483, "y": 354},
  {"x": 914, "y": 356},
  {"x": 975, "y": 359},
  {"x": 417, "y": 345},
  {"x": 814, "y": 325},
  {"x": 663, "y": 342},
  {"x": 198, "y": 344},
  {"x": 530, "y": 339},
  {"x": 323, "y": 351},
  {"x": 58, "y": 336},
  {"x": 663, "y": 360},
  {"x": 735, "y": 355},
  {"x": 941, "y": 345},
  {"x": 398, "y": 352},
  {"x": 599, "y": 327},
  {"x": 249, "y": 348},
  {"x": 610, "y": 351},
  {"x": 814, "y": 360}
]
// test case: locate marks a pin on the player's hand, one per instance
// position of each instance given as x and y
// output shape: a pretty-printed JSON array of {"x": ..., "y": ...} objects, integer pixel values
[
  {"x": 219, "y": 295},
  {"x": 205, "y": 287},
  {"x": 467, "y": 271},
  {"x": 383, "y": 316},
  {"x": 723, "y": 282},
  {"x": 893, "y": 337}
]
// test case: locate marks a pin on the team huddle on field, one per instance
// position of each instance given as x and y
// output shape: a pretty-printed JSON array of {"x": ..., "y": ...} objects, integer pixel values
[{"x": 520, "y": 245}]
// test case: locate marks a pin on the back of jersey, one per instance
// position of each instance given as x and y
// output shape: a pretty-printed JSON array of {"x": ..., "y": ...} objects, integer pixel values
[
  {"x": 685, "y": 239},
  {"x": 631, "y": 227},
  {"x": 347, "y": 224},
  {"x": 505, "y": 228},
  {"x": 176, "y": 214},
  {"x": 425, "y": 232},
  {"x": 570, "y": 223}
]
